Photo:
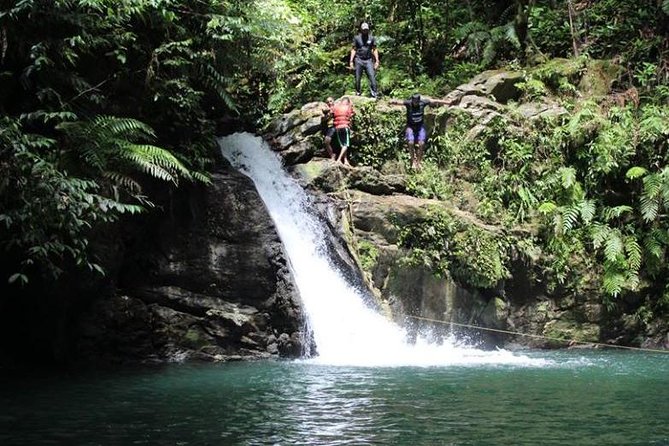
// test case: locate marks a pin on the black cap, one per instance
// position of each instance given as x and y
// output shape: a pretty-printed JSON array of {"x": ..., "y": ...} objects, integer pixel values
[{"x": 415, "y": 97}]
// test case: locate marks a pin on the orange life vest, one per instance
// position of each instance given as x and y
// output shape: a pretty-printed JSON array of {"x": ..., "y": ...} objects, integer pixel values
[{"x": 342, "y": 115}]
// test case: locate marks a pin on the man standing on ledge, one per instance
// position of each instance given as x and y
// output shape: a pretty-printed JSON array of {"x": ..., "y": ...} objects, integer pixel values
[{"x": 364, "y": 56}]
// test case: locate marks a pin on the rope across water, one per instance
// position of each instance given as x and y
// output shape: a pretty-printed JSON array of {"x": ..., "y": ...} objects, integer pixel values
[{"x": 550, "y": 338}]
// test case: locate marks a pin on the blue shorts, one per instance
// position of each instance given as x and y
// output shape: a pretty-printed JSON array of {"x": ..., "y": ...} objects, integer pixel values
[
  {"x": 329, "y": 132},
  {"x": 415, "y": 134}
]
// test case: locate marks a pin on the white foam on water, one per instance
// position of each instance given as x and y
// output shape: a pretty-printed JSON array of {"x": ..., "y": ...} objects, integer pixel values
[{"x": 346, "y": 331}]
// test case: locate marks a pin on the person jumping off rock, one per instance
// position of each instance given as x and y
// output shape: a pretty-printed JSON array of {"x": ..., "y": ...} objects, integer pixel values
[
  {"x": 415, "y": 131},
  {"x": 343, "y": 112}
]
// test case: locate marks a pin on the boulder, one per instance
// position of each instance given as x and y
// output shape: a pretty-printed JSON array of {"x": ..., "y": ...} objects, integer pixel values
[
  {"x": 306, "y": 115},
  {"x": 499, "y": 84},
  {"x": 298, "y": 153},
  {"x": 534, "y": 110}
]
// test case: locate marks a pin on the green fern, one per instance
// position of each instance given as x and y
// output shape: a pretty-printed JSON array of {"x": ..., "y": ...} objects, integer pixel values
[
  {"x": 212, "y": 79},
  {"x": 587, "y": 210},
  {"x": 547, "y": 208},
  {"x": 613, "y": 246},
  {"x": 613, "y": 282},
  {"x": 570, "y": 217},
  {"x": 635, "y": 172},
  {"x": 611, "y": 213},
  {"x": 655, "y": 243},
  {"x": 107, "y": 146},
  {"x": 655, "y": 194},
  {"x": 123, "y": 181},
  {"x": 567, "y": 176},
  {"x": 599, "y": 233},
  {"x": 634, "y": 253},
  {"x": 154, "y": 161}
]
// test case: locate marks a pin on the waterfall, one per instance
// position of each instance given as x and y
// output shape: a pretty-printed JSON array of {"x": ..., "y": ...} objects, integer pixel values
[{"x": 345, "y": 330}]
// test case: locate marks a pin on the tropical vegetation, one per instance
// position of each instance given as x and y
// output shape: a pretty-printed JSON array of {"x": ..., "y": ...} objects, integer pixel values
[{"x": 108, "y": 105}]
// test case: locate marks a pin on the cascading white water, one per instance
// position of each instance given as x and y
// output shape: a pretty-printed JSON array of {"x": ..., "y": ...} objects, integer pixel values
[{"x": 345, "y": 330}]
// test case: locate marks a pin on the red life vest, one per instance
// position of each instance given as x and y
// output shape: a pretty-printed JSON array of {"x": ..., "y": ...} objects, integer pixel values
[{"x": 342, "y": 115}]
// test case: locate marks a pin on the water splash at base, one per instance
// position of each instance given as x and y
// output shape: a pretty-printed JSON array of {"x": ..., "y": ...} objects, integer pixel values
[{"x": 346, "y": 331}]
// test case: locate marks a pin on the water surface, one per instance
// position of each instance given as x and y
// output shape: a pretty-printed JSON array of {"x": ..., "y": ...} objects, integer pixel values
[{"x": 573, "y": 398}]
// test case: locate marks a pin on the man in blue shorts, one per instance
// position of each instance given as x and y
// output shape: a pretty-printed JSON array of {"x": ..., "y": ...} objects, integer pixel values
[{"x": 415, "y": 131}]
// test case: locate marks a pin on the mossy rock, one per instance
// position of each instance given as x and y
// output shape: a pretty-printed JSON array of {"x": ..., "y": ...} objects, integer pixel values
[
  {"x": 570, "y": 330},
  {"x": 598, "y": 78},
  {"x": 195, "y": 338},
  {"x": 325, "y": 175}
]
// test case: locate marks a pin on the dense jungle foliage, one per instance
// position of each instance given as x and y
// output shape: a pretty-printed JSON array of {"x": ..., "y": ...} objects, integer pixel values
[{"x": 102, "y": 101}]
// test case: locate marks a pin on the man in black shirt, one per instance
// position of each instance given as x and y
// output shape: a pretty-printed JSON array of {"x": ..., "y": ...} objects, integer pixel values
[
  {"x": 415, "y": 131},
  {"x": 364, "y": 56}
]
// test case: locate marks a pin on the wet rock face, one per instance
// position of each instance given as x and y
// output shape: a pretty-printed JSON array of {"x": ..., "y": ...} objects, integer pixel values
[{"x": 219, "y": 286}]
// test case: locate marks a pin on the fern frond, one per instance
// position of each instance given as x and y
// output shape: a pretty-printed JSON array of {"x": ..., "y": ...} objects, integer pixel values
[
  {"x": 216, "y": 82},
  {"x": 613, "y": 283},
  {"x": 155, "y": 155},
  {"x": 614, "y": 247},
  {"x": 94, "y": 155},
  {"x": 587, "y": 210},
  {"x": 649, "y": 207},
  {"x": 114, "y": 127},
  {"x": 635, "y": 172},
  {"x": 489, "y": 52},
  {"x": 466, "y": 30},
  {"x": 151, "y": 169},
  {"x": 123, "y": 181},
  {"x": 567, "y": 177},
  {"x": 547, "y": 208},
  {"x": 511, "y": 35},
  {"x": 633, "y": 251},
  {"x": 599, "y": 233},
  {"x": 654, "y": 243},
  {"x": 202, "y": 177},
  {"x": 652, "y": 185},
  {"x": 632, "y": 281},
  {"x": 570, "y": 217},
  {"x": 616, "y": 212}
]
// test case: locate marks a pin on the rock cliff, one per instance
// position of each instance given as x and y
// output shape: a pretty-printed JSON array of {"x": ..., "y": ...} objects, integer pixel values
[
  {"x": 216, "y": 285},
  {"x": 370, "y": 208}
]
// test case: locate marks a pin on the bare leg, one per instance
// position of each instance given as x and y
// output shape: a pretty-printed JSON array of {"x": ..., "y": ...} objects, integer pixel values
[
  {"x": 328, "y": 147},
  {"x": 342, "y": 154},
  {"x": 419, "y": 154},
  {"x": 412, "y": 150}
]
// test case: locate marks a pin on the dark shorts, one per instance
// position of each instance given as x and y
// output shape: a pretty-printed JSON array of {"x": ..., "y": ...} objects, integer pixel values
[
  {"x": 343, "y": 136},
  {"x": 415, "y": 134},
  {"x": 329, "y": 132}
]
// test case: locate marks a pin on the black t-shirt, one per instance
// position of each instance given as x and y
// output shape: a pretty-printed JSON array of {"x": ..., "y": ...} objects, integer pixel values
[
  {"x": 363, "y": 46},
  {"x": 415, "y": 114}
]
